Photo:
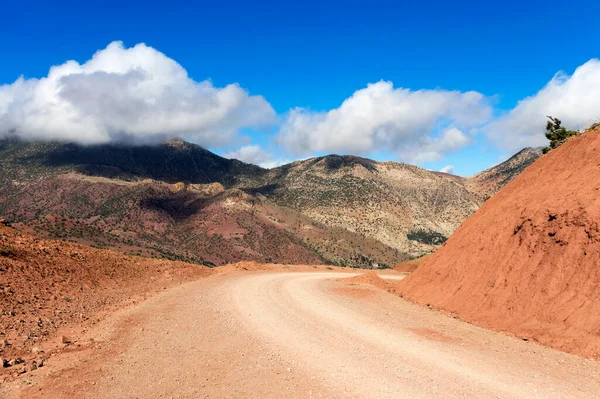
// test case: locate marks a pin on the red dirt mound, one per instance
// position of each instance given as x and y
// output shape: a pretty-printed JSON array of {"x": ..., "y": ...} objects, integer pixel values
[
  {"x": 46, "y": 285},
  {"x": 370, "y": 278},
  {"x": 411, "y": 265},
  {"x": 249, "y": 266},
  {"x": 528, "y": 262}
]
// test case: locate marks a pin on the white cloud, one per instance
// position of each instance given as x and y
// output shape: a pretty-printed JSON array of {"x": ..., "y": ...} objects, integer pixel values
[
  {"x": 448, "y": 169},
  {"x": 275, "y": 163},
  {"x": 434, "y": 148},
  {"x": 256, "y": 155},
  {"x": 250, "y": 154},
  {"x": 138, "y": 94},
  {"x": 380, "y": 117},
  {"x": 130, "y": 94},
  {"x": 573, "y": 99}
]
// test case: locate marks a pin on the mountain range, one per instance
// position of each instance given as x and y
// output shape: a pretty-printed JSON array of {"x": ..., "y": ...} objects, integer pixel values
[{"x": 180, "y": 201}]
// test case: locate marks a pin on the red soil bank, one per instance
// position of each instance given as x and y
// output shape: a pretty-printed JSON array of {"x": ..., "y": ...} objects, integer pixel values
[
  {"x": 528, "y": 261},
  {"x": 370, "y": 278},
  {"x": 410, "y": 265},
  {"x": 46, "y": 285}
]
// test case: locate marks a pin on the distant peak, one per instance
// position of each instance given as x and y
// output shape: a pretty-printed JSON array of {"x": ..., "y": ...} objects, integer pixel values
[
  {"x": 176, "y": 142},
  {"x": 334, "y": 161},
  {"x": 179, "y": 143}
]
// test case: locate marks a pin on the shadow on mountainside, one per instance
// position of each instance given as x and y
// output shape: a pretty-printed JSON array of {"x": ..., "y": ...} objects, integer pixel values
[{"x": 171, "y": 162}]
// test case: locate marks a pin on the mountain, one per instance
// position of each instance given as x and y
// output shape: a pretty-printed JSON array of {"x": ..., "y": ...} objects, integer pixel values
[
  {"x": 172, "y": 162},
  {"x": 527, "y": 262},
  {"x": 402, "y": 206},
  {"x": 176, "y": 200},
  {"x": 180, "y": 201},
  {"x": 152, "y": 200},
  {"x": 490, "y": 181}
]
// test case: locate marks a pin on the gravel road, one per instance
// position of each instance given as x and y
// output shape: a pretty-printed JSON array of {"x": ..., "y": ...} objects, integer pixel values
[{"x": 300, "y": 334}]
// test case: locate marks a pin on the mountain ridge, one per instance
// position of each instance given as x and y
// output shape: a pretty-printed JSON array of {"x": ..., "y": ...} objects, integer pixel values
[
  {"x": 166, "y": 201},
  {"x": 488, "y": 182}
]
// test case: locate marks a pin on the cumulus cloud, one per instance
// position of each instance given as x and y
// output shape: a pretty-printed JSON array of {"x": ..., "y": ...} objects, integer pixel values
[
  {"x": 275, "y": 163},
  {"x": 394, "y": 119},
  {"x": 256, "y": 155},
  {"x": 133, "y": 94},
  {"x": 428, "y": 148},
  {"x": 573, "y": 99},
  {"x": 448, "y": 169},
  {"x": 250, "y": 154}
]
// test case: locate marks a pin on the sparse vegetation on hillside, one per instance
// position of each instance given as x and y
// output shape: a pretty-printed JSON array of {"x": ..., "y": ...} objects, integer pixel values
[
  {"x": 426, "y": 237},
  {"x": 593, "y": 126},
  {"x": 490, "y": 181},
  {"x": 373, "y": 199},
  {"x": 556, "y": 133},
  {"x": 5, "y": 251}
]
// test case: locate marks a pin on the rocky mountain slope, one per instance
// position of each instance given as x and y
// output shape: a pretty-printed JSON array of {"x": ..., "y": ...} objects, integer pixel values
[
  {"x": 490, "y": 181},
  {"x": 172, "y": 162},
  {"x": 404, "y": 207},
  {"x": 528, "y": 261},
  {"x": 204, "y": 224},
  {"x": 180, "y": 201},
  {"x": 175, "y": 201}
]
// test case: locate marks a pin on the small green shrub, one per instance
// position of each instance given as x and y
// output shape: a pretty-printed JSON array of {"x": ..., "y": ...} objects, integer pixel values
[
  {"x": 426, "y": 237},
  {"x": 556, "y": 133},
  {"x": 593, "y": 126},
  {"x": 6, "y": 251}
]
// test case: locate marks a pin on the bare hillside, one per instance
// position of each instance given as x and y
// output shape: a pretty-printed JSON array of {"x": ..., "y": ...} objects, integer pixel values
[
  {"x": 528, "y": 261},
  {"x": 490, "y": 181}
]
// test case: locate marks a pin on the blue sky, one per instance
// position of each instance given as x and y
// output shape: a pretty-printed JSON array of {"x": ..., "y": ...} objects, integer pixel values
[{"x": 316, "y": 55}]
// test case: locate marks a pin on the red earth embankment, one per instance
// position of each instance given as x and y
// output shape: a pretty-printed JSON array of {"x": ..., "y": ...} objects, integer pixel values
[
  {"x": 370, "y": 278},
  {"x": 410, "y": 265},
  {"x": 46, "y": 285},
  {"x": 528, "y": 261}
]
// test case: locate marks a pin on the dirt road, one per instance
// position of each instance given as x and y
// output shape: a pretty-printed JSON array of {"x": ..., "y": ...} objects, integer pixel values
[{"x": 298, "y": 334}]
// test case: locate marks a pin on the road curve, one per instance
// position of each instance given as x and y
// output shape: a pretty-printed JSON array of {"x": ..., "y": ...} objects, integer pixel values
[{"x": 300, "y": 334}]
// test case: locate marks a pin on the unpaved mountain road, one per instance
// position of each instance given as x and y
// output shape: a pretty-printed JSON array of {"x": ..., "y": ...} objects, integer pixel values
[{"x": 300, "y": 334}]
